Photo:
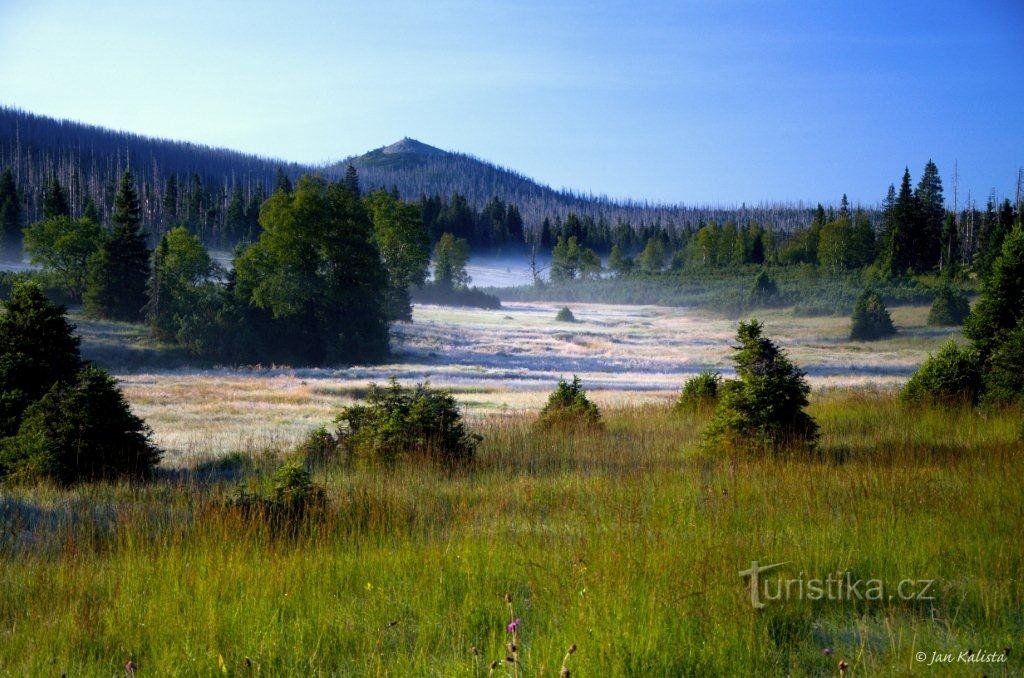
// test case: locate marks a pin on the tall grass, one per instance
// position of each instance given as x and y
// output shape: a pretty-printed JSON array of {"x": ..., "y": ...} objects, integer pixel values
[{"x": 626, "y": 542}]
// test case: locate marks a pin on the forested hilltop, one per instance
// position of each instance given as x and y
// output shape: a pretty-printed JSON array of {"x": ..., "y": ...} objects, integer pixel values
[{"x": 216, "y": 193}]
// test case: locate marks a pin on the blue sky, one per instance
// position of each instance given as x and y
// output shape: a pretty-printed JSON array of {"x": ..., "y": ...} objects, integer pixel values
[{"x": 699, "y": 102}]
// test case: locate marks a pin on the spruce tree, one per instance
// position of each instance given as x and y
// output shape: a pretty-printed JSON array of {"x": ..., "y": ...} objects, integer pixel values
[
  {"x": 234, "y": 218},
  {"x": 90, "y": 212},
  {"x": 904, "y": 227},
  {"x": 351, "y": 181},
  {"x": 10, "y": 217},
  {"x": 118, "y": 272},
  {"x": 1001, "y": 306},
  {"x": 931, "y": 212},
  {"x": 283, "y": 182},
  {"x": 37, "y": 349},
  {"x": 169, "y": 204},
  {"x": 55, "y": 199},
  {"x": 871, "y": 319},
  {"x": 764, "y": 409}
]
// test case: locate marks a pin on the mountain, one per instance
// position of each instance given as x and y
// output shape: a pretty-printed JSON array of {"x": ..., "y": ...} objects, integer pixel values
[
  {"x": 182, "y": 182},
  {"x": 417, "y": 169}
]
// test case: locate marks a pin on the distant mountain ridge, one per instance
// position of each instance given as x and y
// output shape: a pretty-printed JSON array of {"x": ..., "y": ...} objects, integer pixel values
[{"x": 89, "y": 159}]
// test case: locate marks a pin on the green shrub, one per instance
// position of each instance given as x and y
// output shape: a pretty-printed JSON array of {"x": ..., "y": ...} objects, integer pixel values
[
  {"x": 318, "y": 446},
  {"x": 569, "y": 407},
  {"x": 953, "y": 375},
  {"x": 1004, "y": 379},
  {"x": 764, "y": 408},
  {"x": 765, "y": 291},
  {"x": 397, "y": 422},
  {"x": 81, "y": 430},
  {"x": 871, "y": 319},
  {"x": 292, "y": 497},
  {"x": 700, "y": 392},
  {"x": 565, "y": 315},
  {"x": 950, "y": 307}
]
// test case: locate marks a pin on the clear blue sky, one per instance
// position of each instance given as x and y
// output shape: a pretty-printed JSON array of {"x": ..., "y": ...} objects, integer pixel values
[{"x": 707, "y": 101}]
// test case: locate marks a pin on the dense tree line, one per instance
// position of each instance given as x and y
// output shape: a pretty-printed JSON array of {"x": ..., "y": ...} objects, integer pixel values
[
  {"x": 915, "y": 233},
  {"x": 216, "y": 193}
]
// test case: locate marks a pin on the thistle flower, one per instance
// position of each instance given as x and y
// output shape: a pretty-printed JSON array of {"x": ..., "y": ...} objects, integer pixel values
[
  {"x": 843, "y": 666},
  {"x": 129, "y": 668},
  {"x": 513, "y": 625},
  {"x": 827, "y": 651},
  {"x": 508, "y": 597},
  {"x": 565, "y": 673}
]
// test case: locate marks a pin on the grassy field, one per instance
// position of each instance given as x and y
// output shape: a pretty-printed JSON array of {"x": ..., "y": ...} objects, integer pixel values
[
  {"x": 495, "y": 361},
  {"x": 626, "y": 543}
]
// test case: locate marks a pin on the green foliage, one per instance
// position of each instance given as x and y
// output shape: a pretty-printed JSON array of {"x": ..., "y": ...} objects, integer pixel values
[
  {"x": 178, "y": 283},
  {"x": 394, "y": 423},
  {"x": 55, "y": 199},
  {"x": 951, "y": 376},
  {"x": 1004, "y": 377},
  {"x": 451, "y": 255},
  {"x": 292, "y": 497},
  {"x": 404, "y": 246},
  {"x": 37, "y": 350},
  {"x": 63, "y": 246},
  {"x": 62, "y": 419},
  {"x": 652, "y": 259},
  {"x": 565, "y": 315},
  {"x": 618, "y": 263},
  {"x": 118, "y": 271},
  {"x": 570, "y": 261},
  {"x": 700, "y": 392},
  {"x": 1001, "y": 306},
  {"x": 80, "y": 430},
  {"x": 870, "y": 319},
  {"x": 313, "y": 286},
  {"x": 764, "y": 410},
  {"x": 950, "y": 307},
  {"x": 764, "y": 291},
  {"x": 569, "y": 407}
]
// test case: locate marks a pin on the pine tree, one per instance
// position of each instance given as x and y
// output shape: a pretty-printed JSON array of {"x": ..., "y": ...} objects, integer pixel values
[
  {"x": 931, "y": 212},
  {"x": 871, "y": 319},
  {"x": 234, "y": 218},
  {"x": 55, "y": 199},
  {"x": 90, "y": 212},
  {"x": 1001, "y": 306},
  {"x": 283, "y": 182},
  {"x": 10, "y": 217},
  {"x": 903, "y": 218},
  {"x": 169, "y": 205},
  {"x": 37, "y": 349},
  {"x": 118, "y": 272},
  {"x": 351, "y": 181},
  {"x": 764, "y": 408}
]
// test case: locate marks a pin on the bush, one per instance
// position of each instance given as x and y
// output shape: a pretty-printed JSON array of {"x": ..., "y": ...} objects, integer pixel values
[
  {"x": 80, "y": 431},
  {"x": 293, "y": 496},
  {"x": 950, "y": 307},
  {"x": 764, "y": 291},
  {"x": 764, "y": 408},
  {"x": 871, "y": 319},
  {"x": 951, "y": 376},
  {"x": 565, "y": 315},
  {"x": 1004, "y": 378},
  {"x": 318, "y": 446},
  {"x": 568, "y": 406},
  {"x": 700, "y": 392},
  {"x": 397, "y": 422}
]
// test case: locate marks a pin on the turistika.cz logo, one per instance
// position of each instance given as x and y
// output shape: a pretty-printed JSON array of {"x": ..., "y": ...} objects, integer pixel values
[{"x": 833, "y": 587}]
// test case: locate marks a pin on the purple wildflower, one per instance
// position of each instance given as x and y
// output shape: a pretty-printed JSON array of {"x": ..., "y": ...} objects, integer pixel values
[{"x": 513, "y": 625}]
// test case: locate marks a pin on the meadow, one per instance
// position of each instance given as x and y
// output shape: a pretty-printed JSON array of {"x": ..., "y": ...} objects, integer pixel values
[
  {"x": 494, "y": 361},
  {"x": 626, "y": 543}
]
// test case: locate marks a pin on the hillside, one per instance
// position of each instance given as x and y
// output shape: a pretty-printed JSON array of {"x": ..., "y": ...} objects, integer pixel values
[
  {"x": 195, "y": 184},
  {"x": 417, "y": 169}
]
